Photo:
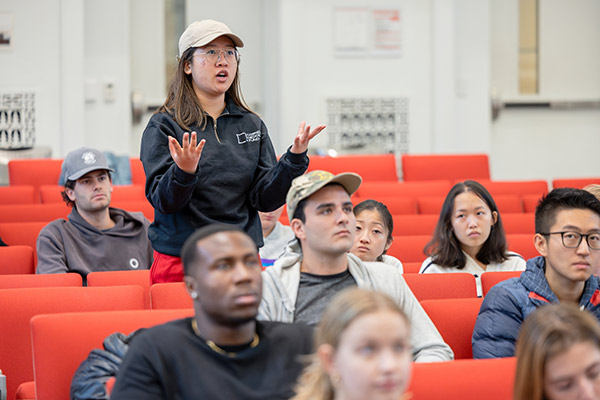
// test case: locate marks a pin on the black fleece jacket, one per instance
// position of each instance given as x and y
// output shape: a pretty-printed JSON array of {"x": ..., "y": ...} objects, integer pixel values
[{"x": 237, "y": 175}]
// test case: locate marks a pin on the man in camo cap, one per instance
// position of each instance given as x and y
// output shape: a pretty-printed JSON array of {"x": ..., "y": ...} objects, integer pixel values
[{"x": 298, "y": 287}]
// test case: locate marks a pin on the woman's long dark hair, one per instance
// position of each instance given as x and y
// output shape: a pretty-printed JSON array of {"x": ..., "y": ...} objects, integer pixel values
[{"x": 445, "y": 249}]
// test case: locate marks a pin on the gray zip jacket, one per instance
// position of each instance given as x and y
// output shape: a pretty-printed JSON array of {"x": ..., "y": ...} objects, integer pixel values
[{"x": 280, "y": 290}]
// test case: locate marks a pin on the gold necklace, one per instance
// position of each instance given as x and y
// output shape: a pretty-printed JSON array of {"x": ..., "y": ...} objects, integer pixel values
[{"x": 214, "y": 347}]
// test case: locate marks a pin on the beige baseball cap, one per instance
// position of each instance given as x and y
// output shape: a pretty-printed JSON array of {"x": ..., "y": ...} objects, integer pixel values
[
  {"x": 306, "y": 185},
  {"x": 200, "y": 33}
]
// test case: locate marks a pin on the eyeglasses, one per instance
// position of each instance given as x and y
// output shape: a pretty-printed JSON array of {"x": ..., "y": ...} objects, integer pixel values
[
  {"x": 213, "y": 55},
  {"x": 572, "y": 240}
]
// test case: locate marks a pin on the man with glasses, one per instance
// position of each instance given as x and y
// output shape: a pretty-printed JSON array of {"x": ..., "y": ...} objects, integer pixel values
[{"x": 567, "y": 225}]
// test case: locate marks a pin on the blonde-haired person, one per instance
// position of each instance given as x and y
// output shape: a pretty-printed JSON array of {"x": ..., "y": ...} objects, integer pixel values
[
  {"x": 207, "y": 156},
  {"x": 363, "y": 350},
  {"x": 594, "y": 189},
  {"x": 558, "y": 355}
]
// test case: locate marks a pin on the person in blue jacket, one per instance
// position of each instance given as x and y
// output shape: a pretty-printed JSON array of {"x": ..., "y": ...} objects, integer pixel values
[
  {"x": 207, "y": 156},
  {"x": 567, "y": 225}
]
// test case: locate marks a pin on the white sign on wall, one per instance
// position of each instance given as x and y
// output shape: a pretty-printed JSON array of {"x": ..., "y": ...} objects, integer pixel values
[{"x": 364, "y": 32}]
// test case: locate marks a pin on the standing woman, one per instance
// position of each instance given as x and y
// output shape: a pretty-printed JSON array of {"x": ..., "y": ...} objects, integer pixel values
[
  {"x": 558, "y": 355},
  {"x": 469, "y": 236},
  {"x": 207, "y": 157}
]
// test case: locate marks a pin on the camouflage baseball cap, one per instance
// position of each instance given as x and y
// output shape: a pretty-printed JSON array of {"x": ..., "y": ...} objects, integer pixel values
[{"x": 306, "y": 185}]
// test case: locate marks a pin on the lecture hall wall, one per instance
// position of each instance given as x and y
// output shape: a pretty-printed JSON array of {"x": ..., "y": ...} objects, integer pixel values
[{"x": 456, "y": 54}]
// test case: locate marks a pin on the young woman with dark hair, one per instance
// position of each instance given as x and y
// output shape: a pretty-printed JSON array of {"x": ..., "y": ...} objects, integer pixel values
[
  {"x": 374, "y": 230},
  {"x": 469, "y": 236}
]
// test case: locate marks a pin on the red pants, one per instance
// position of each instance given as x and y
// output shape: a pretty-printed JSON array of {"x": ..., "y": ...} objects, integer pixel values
[{"x": 166, "y": 268}]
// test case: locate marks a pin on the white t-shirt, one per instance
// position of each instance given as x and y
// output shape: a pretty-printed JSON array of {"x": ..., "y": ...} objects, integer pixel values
[
  {"x": 274, "y": 244},
  {"x": 514, "y": 263},
  {"x": 389, "y": 260}
]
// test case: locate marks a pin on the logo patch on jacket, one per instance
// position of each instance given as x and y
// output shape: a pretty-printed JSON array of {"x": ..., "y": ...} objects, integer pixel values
[{"x": 248, "y": 137}]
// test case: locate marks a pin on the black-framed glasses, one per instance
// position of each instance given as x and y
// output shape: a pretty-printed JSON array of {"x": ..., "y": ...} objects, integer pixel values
[
  {"x": 572, "y": 240},
  {"x": 213, "y": 55}
]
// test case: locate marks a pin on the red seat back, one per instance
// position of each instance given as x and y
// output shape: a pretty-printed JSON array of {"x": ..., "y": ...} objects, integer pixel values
[
  {"x": 17, "y": 260},
  {"x": 578, "y": 183},
  {"x": 409, "y": 225},
  {"x": 409, "y": 248},
  {"x": 530, "y": 202},
  {"x": 520, "y": 188},
  {"x": 62, "y": 341},
  {"x": 139, "y": 277},
  {"x": 21, "y": 233},
  {"x": 451, "y": 285},
  {"x": 395, "y": 205},
  {"x": 455, "y": 320},
  {"x": 19, "y": 305},
  {"x": 445, "y": 166},
  {"x": 411, "y": 267},
  {"x": 489, "y": 379},
  {"x": 376, "y": 190},
  {"x": 22, "y": 194},
  {"x": 170, "y": 295},
  {"x": 44, "y": 280},
  {"x": 489, "y": 279},
  {"x": 34, "y": 172},
  {"x": 522, "y": 244},
  {"x": 138, "y": 176},
  {"x": 33, "y": 212},
  {"x": 373, "y": 167},
  {"x": 519, "y": 223}
]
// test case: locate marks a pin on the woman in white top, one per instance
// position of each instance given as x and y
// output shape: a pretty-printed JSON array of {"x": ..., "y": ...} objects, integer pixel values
[
  {"x": 469, "y": 236},
  {"x": 373, "y": 237}
]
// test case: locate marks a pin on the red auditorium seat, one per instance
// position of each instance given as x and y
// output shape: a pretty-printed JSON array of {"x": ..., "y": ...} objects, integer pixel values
[
  {"x": 22, "y": 194},
  {"x": 455, "y": 320},
  {"x": 62, "y": 341},
  {"x": 530, "y": 202},
  {"x": 411, "y": 267},
  {"x": 34, "y": 172},
  {"x": 520, "y": 188},
  {"x": 515, "y": 223},
  {"x": 396, "y": 205},
  {"x": 409, "y": 225},
  {"x": 523, "y": 244},
  {"x": 489, "y": 379},
  {"x": 375, "y": 190},
  {"x": 170, "y": 295},
  {"x": 140, "y": 277},
  {"x": 33, "y": 212},
  {"x": 409, "y": 248},
  {"x": 138, "y": 176},
  {"x": 373, "y": 167},
  {"x": 21, "y": 233},
  {"x": 52, "y": 193},
  {"x": 445, "y": 166},
  {"x": 16, "y": 281},
  {"x": 489, "y": 279},
  {"x": 17, "y": 260},
  {"x": 578, "y": 183},
  {"x": 449, "y": 285},
  {"x": 19, "y": 305}
]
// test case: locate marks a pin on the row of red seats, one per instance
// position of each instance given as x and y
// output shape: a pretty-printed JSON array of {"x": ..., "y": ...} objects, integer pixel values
[
  {"x": 46, "y": 171},
  {"x": 61, "y": 341},
  {"x": 407, "y": 248},
  {"x": 454, "y": 318}
]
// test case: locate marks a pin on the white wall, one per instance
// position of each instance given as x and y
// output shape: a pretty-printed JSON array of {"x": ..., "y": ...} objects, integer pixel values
[
  {"x": 33, "y": 63},
  {"x": 310, "y": 72},
  {"x": 547, "y": 143},
  {"x": 107, "y": 61}
]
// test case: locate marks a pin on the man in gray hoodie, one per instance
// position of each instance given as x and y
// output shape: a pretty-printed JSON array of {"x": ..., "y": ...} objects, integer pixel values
[
  {"x": 301, "y": 283},
  {"x": 95, "y": 237}
]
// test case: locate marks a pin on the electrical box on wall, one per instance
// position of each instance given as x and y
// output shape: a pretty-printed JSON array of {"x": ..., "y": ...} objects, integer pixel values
[
  {"x": 368, "y": 125},
  {"x": 17, "y": 120}
]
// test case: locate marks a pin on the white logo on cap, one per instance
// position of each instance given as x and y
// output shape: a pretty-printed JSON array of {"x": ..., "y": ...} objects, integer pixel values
[{"x": 88, "y": 158}]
